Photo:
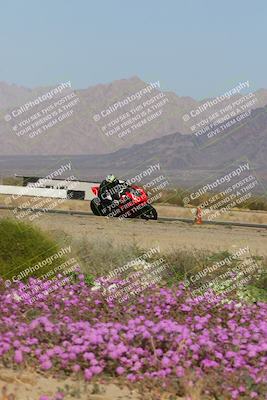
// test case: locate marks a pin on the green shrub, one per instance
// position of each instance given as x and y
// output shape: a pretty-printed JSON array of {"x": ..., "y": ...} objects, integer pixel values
[
  {"x": 252, "y": 294},
  {"x": 22, "y": 246}
]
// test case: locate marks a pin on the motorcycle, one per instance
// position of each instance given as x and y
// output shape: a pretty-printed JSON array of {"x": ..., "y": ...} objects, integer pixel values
[{"x": 132, "y": 203}]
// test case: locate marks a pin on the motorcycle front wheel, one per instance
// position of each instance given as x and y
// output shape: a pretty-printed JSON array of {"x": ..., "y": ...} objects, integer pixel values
[
  {"x": 149, "y": 213},
  {"x": 95, "y": 207}
]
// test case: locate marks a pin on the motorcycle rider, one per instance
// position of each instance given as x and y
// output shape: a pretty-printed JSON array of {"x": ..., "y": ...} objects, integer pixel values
[{"x": 111, "y": 189}]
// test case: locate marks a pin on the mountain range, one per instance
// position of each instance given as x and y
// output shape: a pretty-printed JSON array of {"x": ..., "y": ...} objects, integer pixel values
[
  {"x": 81, "y": 134},
  {"x": 167, "y": 139}
]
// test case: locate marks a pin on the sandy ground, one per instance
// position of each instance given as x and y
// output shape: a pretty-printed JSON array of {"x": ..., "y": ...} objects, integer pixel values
[
  {"x": 28, "y": 385},
  {"x": 168, "y": 235}
]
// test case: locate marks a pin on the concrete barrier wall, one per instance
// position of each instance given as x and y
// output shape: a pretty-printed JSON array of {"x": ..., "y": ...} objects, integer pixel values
[{"x": 18, "y": 191}]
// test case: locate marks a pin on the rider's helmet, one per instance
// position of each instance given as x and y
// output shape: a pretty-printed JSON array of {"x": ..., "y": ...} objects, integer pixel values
[{"x": 110, "y": 178}]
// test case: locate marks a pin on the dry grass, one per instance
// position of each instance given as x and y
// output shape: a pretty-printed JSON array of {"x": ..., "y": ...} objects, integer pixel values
[
  {"x": 176, "y": 196},
  {"x": 98, "y": 258}
]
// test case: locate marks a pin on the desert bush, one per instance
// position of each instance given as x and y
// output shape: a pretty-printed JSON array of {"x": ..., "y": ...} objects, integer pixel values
[
  {"x": 100, "y": 257},
  {"x": 12, "y": 180},
  {"x": 183, "y": 263}
]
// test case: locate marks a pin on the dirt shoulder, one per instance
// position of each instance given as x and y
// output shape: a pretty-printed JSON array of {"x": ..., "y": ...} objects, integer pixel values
[{"x": 168, "y": 235}]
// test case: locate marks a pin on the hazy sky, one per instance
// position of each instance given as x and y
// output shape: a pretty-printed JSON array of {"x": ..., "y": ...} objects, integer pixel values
[{"x": 195, "y": 48}]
